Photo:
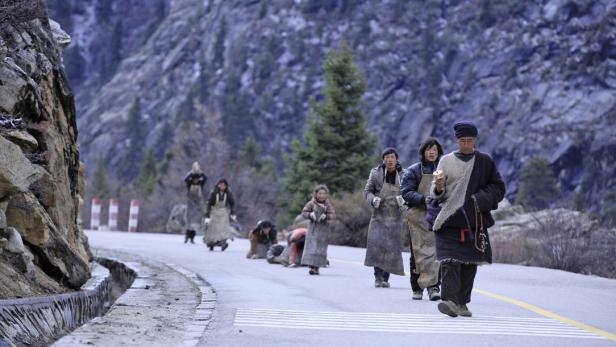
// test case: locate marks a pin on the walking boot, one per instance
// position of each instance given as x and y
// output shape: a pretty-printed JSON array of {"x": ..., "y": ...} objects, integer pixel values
[
  {"x": 417, "y": 294},
  {"x": 378, "y": 283},
  {"x": 463, "y": 311},
  {"x": 434, "y": 294},
  {"x": 449, "y": 308},
  {"x": 385, "y": 284},
  {"x": 224, "y": 246},
  {"x": 312, "y": 271}
]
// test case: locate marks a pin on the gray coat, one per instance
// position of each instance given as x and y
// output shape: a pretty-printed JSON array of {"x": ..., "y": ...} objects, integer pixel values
[{"x": 375, "y": 182}]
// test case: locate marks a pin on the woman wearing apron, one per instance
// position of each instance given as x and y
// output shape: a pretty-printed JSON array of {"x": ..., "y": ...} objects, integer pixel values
[
  {"x": 416, "y": 191},
  {"x": 220, "y": 207},
  {"x": 320, "y": 212},
  {"x": 384, "y": 246},
  {"x": 195, "y": 181}
]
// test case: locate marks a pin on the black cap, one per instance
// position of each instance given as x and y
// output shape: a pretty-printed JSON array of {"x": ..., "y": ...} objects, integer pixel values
[{"x": 465, "y": 129}]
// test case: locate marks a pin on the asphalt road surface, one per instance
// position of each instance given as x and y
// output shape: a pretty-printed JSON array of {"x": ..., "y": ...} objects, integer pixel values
[{"x": 260, "y": 304}]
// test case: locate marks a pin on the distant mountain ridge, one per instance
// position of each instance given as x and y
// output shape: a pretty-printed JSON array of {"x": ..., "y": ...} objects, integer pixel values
[{"x": 539, "y": 77}]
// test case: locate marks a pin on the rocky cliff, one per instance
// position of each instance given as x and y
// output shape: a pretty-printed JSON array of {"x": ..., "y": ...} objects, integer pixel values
[
  {"x": 42, "y": 248},
  {"x": 539, "y": 77}
]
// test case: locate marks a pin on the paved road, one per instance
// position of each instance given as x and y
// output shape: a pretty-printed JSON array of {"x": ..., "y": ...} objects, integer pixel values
[{"x": 265, "y": 305}]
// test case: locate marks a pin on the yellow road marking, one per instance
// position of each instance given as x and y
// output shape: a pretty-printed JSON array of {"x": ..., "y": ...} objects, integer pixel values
[
  {"x": 549, "y": 314},
  {"x": 529, "y": 307}
]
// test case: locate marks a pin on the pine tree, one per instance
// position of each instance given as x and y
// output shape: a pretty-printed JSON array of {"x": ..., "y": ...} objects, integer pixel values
[
  {"x": 338, "y": 149},
  {"x": 116, "y": 45},
  {"x": 100, "y": 186},
  {"x": 237, "y": 120},
  {"x": 164, "y": 140},
  {"x": 538, "y": 185},
  {"x": 186, "y": 110},
  {"x": 219, "y": 46},
  {"x": 250, "y": 154},
  {"x": 148, "y": 174},
  {"x": 486, "y": 13},
  {"x": 263, "y": 10},
  {"x": 135, "y": 134},
  {"x": 609, "y": 207}
]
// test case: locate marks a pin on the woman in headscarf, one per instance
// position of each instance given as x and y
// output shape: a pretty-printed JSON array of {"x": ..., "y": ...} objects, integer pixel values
[
  {"x": 195, "y": 181},
  {"x": 220, "y": 208},
  {"x": 320, "y": 212}
]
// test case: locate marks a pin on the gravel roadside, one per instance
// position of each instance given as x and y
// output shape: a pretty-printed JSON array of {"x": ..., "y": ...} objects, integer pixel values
[{"x": 165, "y": 306}]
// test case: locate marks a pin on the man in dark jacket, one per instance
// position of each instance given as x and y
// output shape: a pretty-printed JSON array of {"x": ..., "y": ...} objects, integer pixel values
[
  {"x": 415, "y": 189},
  {"x": 468, "y": 186}
]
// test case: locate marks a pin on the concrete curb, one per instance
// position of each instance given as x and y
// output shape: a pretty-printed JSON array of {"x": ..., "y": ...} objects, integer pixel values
[
  {"x": 204, "y": 311},
  {"x": 40, "y": 320},
  {"x": 165, "y": 305}
]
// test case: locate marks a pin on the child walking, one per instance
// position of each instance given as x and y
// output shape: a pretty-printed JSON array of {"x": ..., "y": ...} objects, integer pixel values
[{"x": 320, "y": 212}]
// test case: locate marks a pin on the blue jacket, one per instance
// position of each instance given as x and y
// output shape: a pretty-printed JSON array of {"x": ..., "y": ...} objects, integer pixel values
[{"x": 411, "y": 178}]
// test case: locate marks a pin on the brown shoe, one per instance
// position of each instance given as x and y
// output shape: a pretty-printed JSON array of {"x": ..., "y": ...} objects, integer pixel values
[{"x": 449, "y": 308}]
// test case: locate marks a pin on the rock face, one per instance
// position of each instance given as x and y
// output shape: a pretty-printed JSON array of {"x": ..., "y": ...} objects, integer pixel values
[
  {"x": 539, "y": 77},
  {"x": 44, "y": 249}
]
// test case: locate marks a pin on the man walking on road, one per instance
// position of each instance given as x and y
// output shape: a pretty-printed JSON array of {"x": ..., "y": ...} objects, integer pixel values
[
  {"x": 382, "y": 192},
  {"x": 467, "y": 186}
]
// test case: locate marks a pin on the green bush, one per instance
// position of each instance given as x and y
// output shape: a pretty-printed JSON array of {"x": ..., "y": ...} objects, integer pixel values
[
  {"x": 352, "y": 220},
  {"x": 538, "y": 185}
]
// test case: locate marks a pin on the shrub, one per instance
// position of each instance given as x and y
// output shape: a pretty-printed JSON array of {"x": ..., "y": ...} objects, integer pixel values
[
  {"x": 352, "y": 220},
  {"x": 538, "y": 185}
]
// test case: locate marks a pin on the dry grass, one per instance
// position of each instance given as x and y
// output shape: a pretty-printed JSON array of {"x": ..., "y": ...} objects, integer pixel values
[{"x": 558, "y": 241}]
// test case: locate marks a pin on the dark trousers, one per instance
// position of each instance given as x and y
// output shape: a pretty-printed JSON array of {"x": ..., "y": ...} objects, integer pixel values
[
  {"x": 190, "y": 235},
  {"x": 381, "y": 274},
  {"x": 458, "y": 280},
  {"x": 415, "y": 277}
]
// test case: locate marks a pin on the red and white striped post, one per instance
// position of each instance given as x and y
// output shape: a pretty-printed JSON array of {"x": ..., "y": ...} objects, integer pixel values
[
  {"x": 133, "y": 217},
  {"x": 113, "y": 214},
  {"x": 95, "y": 218}
]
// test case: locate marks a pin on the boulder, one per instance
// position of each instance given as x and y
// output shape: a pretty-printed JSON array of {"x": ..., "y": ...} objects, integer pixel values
[
  {"x": 26, "y": 214},
  {"x": 3, "y": 205},
  {"x": 25, "y": 141},
  {"x": 16, "y": 171},
  {"x": 44, "y": 190},
  {"x": 60, "y": 36},
  {"x": 14, "y": 244},
  {"x": 177, "y": 219}
]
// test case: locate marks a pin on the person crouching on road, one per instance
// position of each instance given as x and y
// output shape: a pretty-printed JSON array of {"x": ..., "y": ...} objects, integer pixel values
[
  {"x": 296, "y": 241},
  {"x": 261, "y": 239},
  {"x": 467, "y": 186},
  {"x": 384, "y": 246},
  {"x": 220, "y": 208},
  {"x": 415, "y": 187},
  {"x": 320, "y": 212}
]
